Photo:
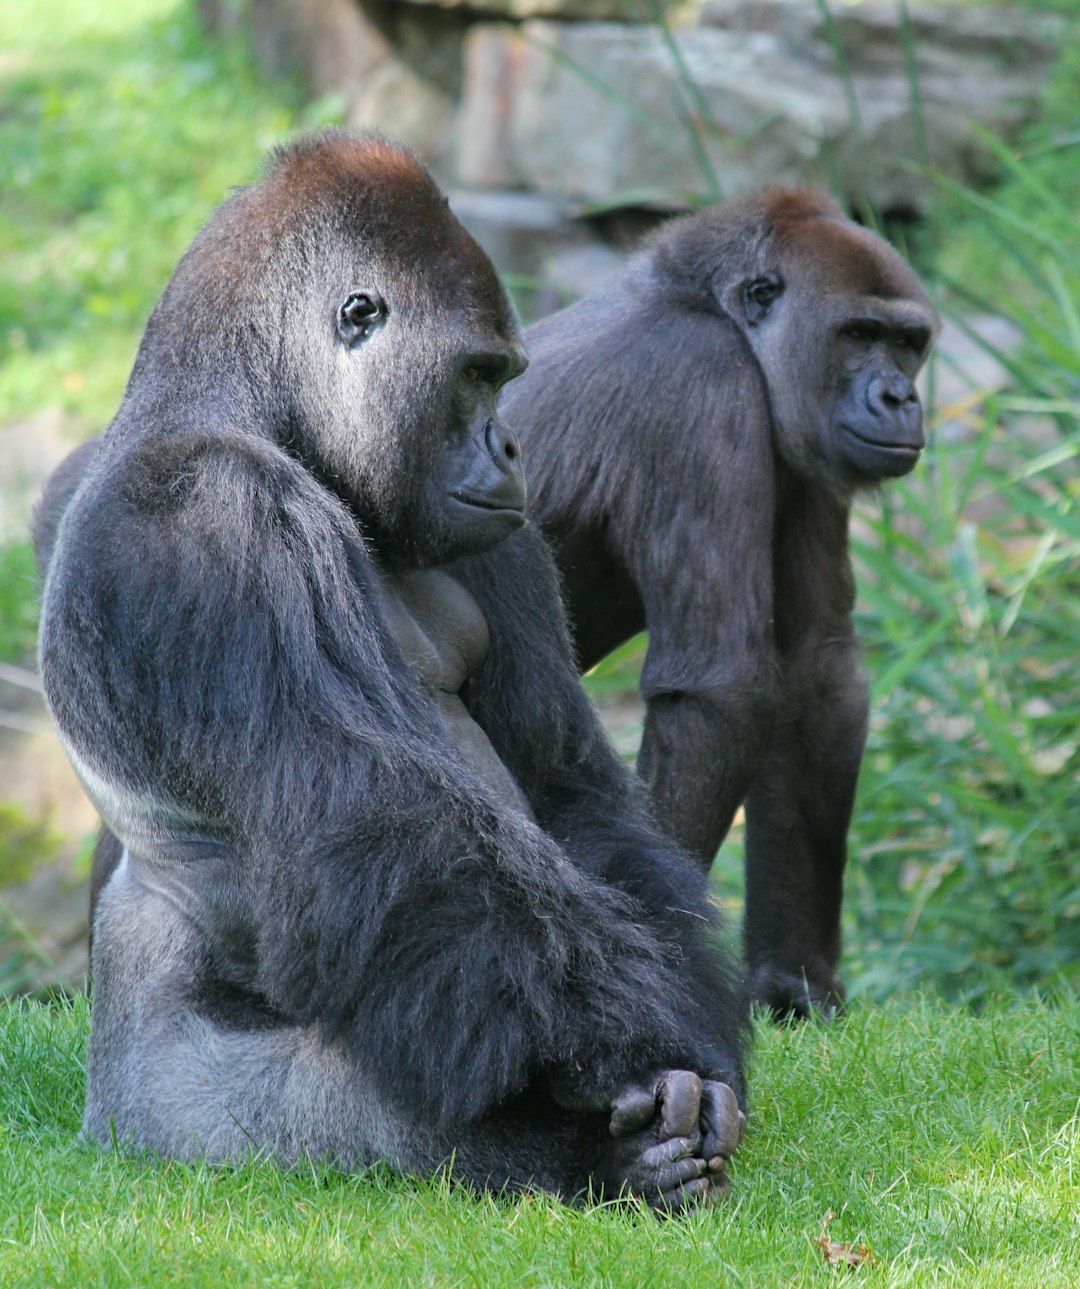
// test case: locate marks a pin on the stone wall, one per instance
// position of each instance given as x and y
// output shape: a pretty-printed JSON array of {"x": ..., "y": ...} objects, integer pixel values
[{"x": 541, "y": 109}]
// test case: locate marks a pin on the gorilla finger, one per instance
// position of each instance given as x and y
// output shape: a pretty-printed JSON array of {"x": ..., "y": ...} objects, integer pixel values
[
  {"x": 669, "y": 1176},
  {"x": 632, "y": 1109},
  {"x": 723, "y": 1123},
  {"x": 680, "y": 1198},
  {"x": 668, "y": 1152},
  {"x": 680, "y": 1103}
]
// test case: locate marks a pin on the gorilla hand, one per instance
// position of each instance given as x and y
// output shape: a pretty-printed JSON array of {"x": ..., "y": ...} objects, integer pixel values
[{"x": 673, "y": 1134}]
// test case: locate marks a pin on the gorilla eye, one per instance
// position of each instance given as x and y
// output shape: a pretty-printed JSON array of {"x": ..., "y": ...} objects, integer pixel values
[
  {"x": 863, "y": 333},
  {"x": 356, "y": 317},
  {"x": 759, "y": 295},
  {"x": 493, "y": 372},
  {"x": 915, "y": 339}
]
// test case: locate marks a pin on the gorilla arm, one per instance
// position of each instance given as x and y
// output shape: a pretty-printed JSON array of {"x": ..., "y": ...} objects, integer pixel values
[
  {"x": 529, "y": 701},
  {"x": 222, "y": 661},
  {"x": 799, "y": 806}
]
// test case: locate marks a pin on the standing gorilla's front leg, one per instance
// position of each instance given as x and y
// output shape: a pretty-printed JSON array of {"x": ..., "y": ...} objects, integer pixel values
[{"x": 797, "y": 815}]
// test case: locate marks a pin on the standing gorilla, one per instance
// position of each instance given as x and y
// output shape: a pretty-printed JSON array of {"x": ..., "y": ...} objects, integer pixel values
[
  {"x": 693, "y": 436},
  {"x": 384, "y": 890}
]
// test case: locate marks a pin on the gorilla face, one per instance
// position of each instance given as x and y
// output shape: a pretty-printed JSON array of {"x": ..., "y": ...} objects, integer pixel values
[
  {"x": 876, "y": 428},
  {"x": 841, "y": 329},
  {"x": 438, "y": 476},
  {"x": 433, "y": 475}
]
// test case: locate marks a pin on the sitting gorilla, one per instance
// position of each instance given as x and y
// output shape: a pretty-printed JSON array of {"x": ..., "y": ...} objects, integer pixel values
[{"x": 375, "y": 887}]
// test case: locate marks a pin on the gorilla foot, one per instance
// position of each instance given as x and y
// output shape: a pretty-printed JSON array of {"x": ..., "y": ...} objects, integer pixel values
[
  {"x": 672, "y": 1137},
  {"x": 797, "y": 994}
]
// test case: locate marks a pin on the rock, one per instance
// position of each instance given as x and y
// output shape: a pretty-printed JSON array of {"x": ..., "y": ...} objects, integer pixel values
[
  {"x": 398, "y": 67},
  {"x": 547, "y": 256},
  {"x": 332, "y": 45},
  {"x": 872, "y": 36},
  {"x": 614, "y": 10},
  {"x": 775, "y": 110}
]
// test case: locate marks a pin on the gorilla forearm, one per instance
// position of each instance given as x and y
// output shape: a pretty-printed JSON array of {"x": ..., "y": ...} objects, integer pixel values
[
  {"x": 581, "y": 792},
  {"x": 478, "y": 964}
]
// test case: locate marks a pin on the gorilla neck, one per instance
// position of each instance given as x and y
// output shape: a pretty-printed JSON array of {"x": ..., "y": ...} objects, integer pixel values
[{"x": 442, "y": 632}]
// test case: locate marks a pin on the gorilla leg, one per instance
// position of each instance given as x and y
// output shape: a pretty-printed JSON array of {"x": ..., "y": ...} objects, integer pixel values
[
  {"x": 178, "y": 1058},
  {"x": 797, "y": 817}
]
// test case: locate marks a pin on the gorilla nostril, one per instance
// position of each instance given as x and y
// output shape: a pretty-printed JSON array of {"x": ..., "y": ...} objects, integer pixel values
[{"x": 500, "y": 443}]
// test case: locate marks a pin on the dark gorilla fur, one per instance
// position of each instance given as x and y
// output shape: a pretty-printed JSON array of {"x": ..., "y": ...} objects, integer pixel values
[
  {"x": 374, "y": 885},
  {"x": 693, "y": 435}
]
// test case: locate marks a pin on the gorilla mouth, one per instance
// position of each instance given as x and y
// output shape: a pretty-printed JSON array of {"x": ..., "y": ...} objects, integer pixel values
[
  {"x": 886, "y": 445},
  {"x": 487, "y": 503}
]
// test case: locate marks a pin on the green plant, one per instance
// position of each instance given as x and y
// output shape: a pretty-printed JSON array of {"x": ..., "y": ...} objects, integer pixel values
[
  {"x": 18, "y": 600},
  {"x": 121, "y": 126},
  {"x": 968, "y": 820}
]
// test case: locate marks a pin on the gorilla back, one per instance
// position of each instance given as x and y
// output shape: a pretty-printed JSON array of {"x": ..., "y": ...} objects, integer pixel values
[{"x": 376, "y": 886}]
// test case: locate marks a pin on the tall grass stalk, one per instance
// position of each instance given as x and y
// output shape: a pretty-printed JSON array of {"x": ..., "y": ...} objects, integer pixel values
[{"x": 968, "y": 821}]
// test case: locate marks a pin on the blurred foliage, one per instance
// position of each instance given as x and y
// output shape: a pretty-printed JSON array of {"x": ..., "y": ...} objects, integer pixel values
[
  {"x": 24, "y": 843},
  {"x": 968, "y": 827},
  {"x": 120, "y": 127},
  {"x": 1042, "y": 181},
  {"x": 18, "y": 600}
]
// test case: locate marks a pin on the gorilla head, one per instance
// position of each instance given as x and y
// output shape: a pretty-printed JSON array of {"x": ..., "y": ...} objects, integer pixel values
[
  {"x": 325, "y": 290},
  {"x": 837, "y": 321}
]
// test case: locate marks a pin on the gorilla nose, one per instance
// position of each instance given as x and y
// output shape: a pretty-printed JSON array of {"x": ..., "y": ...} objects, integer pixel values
[
  {"x": 502, "y": 445},
  {"x": 892, "y": 395},
  {"x": 507, "y": 488}
]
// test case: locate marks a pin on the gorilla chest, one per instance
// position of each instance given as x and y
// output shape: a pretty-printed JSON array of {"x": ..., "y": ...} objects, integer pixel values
[{"x": 442, "y": 632}]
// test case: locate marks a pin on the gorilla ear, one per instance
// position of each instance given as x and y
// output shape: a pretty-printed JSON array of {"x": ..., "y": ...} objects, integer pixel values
[
  {"x": 759, "y": 296},
  {"x": 362, "y": 311}
]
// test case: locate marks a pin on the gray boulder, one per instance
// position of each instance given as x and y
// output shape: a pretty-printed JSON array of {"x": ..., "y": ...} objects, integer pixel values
[{"x": 592, "y": 111}]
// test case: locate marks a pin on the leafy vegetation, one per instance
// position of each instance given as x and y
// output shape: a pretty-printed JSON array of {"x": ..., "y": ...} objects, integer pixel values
[
  {"x": 946, "y": 1142},
  {"x": 18, "y": 600},
  {"x": 122, "y": 126}
]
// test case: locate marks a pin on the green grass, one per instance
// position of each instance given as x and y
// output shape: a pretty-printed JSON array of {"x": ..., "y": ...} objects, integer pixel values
[
  {"x": 948, "y": 1143},
  {"x": 18, "y": 600}
]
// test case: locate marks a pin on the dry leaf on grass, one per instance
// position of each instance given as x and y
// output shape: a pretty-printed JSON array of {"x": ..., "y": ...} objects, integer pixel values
[{"x": 843, "y": 1255}]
